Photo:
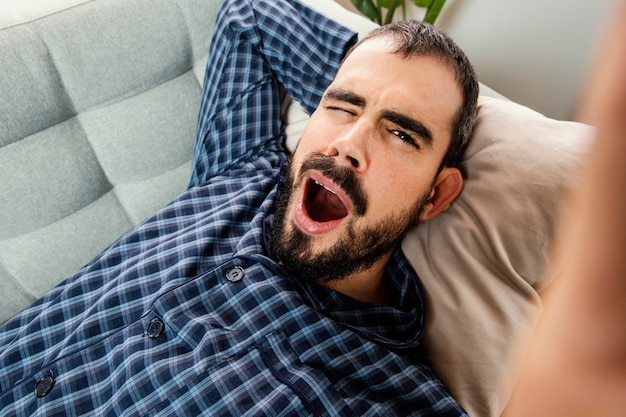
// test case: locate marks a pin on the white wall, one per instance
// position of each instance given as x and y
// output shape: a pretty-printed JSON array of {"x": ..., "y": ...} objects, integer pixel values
[{"x": 535, "y": 52}]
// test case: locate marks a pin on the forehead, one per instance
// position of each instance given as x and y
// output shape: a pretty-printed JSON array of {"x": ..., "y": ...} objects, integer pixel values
[
  {"x": 422, "y": 87},
  {"x": 374, "y": 57}
]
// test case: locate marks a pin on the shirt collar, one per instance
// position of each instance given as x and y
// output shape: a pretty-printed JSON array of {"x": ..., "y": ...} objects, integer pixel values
[{"x": 397, "y": 325}]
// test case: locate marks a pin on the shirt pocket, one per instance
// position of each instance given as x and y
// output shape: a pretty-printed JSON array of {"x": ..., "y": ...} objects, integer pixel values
[
  {"x": 314, "y": 389},
  {"x": 257, "y": 379}
]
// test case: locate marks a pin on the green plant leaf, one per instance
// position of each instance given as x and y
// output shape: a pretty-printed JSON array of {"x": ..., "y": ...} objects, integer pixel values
[
  {"x": 368, "y": 8},
  {"x": 390, "y": 4},
  {"x": 433, "y": 11},
  {"x": 389, "y": 16},
  {"x": 422, "y": 3}
]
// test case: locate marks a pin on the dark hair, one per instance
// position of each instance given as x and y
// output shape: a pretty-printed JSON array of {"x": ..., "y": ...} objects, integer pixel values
[{"x": 415, "y": 38}]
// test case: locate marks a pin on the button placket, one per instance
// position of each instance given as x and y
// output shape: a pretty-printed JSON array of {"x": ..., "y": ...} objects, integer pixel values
[
  {"x": 44, "y": 386},
  {"x": 235, "y": 274},
  {"x": 155, "y": 328}
]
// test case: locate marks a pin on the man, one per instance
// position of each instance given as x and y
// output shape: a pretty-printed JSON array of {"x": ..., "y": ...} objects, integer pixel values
[{"x": 269, "y": 288}]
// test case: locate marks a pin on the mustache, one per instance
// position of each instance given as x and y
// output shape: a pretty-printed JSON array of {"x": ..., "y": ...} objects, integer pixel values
[{"x": 344, "y": 177}]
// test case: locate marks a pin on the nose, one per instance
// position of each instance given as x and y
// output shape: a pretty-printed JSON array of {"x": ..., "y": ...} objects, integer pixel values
[{"x": 349, "y": 149}]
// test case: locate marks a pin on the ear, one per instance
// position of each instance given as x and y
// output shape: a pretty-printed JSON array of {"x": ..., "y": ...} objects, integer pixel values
[{"x": 447, "y": 188}]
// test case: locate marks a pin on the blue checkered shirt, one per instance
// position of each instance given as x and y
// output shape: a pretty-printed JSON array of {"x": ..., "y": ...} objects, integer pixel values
[{"x": 188, "y": 314}]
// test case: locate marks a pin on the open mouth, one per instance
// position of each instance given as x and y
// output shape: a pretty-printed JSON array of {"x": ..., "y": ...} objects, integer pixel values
[{"x": 322, "y": 204}]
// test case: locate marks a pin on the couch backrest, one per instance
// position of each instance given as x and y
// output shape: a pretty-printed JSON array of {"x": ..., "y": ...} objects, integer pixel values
[{"x": 98, "y": 107}]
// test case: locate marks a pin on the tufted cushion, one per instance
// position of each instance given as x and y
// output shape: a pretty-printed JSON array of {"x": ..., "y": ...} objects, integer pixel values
[{"x": 97, "y": 121}]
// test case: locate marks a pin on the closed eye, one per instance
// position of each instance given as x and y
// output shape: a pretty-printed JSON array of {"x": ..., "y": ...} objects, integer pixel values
[{"x": 341, "y": 109}]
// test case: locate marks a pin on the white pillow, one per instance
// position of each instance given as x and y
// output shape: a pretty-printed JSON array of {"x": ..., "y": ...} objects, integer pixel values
[{"x": 480, "y": 263}]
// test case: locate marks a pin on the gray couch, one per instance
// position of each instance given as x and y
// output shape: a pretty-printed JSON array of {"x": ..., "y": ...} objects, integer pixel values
[{"x": 98, "y": 107}]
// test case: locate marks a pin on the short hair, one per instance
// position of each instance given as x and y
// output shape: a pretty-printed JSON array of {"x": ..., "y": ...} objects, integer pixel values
[{"x": 415, "y": 38}]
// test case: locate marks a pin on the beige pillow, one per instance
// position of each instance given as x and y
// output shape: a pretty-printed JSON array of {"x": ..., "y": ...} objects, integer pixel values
[{"x": 480, "y": 262}]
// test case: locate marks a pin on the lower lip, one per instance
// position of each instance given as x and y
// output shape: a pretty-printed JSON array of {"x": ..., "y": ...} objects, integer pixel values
[{"x": 310, "y": 226}]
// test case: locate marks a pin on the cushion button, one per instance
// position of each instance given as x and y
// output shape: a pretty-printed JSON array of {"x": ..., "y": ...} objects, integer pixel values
[
  {"x": 155, "y": 328},
  {"x": 44, "y": 386},
  {"x": 235, "y": 274}
]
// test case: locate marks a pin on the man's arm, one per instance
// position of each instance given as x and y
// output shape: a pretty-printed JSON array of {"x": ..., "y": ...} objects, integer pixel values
[
  {"x": 257, "y": 46},
  {"x": 577, "y": 364}
]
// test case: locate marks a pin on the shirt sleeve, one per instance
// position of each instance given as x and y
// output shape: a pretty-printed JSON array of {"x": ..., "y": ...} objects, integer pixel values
[{"x": 257, "y": 47}]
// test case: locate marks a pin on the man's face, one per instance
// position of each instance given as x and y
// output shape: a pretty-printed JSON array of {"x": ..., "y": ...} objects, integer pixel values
[{"x": 366, "y": 165}]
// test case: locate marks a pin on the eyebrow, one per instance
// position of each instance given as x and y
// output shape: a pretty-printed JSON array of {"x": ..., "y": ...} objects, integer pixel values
[
  {"x": 402, "y": 120},
  {"x": 345, "y": 96},
  {"x": 410, "y": 124}
]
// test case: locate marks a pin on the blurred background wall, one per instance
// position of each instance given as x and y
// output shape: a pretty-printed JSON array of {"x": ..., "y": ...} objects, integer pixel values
[{"x": 536, "y": 52}]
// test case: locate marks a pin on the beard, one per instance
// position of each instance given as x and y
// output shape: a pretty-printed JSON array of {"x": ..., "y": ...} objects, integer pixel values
[{"x": 357, "y": 250}]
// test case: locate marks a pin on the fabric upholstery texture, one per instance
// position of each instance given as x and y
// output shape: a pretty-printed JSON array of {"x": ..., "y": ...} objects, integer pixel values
[{"x": 97, "y": 120}]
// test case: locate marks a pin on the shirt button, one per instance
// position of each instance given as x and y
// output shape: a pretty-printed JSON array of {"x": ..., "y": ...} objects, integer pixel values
[
  {"x": 155, "y": 328},
  {"x": 44, "y": 386},
  {"x": 235, "y": 274}
]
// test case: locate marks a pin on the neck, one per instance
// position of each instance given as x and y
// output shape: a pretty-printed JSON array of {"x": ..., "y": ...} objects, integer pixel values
[{"x": 368, "y": 286}]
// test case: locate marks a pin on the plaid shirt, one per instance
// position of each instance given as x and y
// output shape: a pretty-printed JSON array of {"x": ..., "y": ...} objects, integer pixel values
[{"x": 187, "y": 314}]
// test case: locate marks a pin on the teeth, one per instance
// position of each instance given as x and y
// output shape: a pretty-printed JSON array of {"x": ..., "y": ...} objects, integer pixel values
[{"x": 327, "y": 189}]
